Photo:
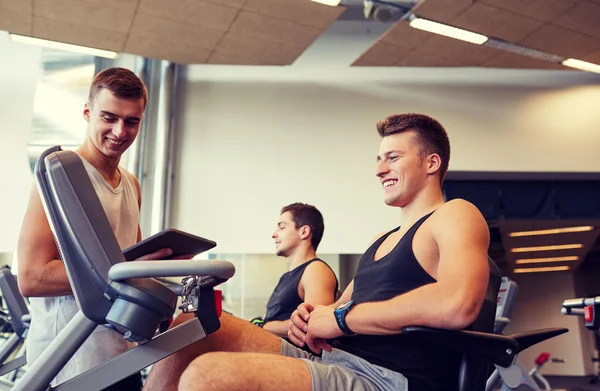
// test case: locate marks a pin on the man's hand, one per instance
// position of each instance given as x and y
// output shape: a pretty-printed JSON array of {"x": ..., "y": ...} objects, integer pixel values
[
  {"x": 299, "y": 324},
  {"x": 321, "y": 327}
]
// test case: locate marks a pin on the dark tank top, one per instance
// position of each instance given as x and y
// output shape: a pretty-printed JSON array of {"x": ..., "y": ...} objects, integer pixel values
[
  {"x": 427, "y": 366},
  {"x": 285, "y": 298}
]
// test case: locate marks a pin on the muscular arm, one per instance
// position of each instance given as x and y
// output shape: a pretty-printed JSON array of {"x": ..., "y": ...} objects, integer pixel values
[
  {"x": 454, "y": 301},
  {"x": 41, "y": 272},
  {"x": 317, "y": 287}
]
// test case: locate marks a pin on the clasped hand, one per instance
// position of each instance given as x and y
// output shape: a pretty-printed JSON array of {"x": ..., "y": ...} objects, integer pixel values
[{"x": 313, "y": 326}]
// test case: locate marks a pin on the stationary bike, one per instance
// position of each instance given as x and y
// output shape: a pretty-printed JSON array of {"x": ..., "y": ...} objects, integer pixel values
[{"x": 505, "y": 304}]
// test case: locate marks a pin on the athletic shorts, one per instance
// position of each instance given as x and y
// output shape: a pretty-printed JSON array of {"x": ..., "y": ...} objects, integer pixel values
[{"x": 340, "y": 370}]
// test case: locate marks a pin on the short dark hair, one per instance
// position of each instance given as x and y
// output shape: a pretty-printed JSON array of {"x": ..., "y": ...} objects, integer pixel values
[
  {"x": 430, "y": 134},
  {"x": 304, "y": 214},
  {"x": 122, "y": 82}
]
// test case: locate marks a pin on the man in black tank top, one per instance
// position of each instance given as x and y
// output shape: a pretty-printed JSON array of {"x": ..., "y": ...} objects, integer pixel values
[
  {"x": 309, "y": 279},
  {"x": 431, "y": 270}
]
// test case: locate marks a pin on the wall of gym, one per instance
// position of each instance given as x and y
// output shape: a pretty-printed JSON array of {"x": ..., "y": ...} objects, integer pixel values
[{"x": 253, "y": 140}]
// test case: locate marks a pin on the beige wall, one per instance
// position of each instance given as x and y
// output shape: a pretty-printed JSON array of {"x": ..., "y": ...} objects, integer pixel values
[
  {"x": 6, "y": 259},
  {"x": 19, "y": 72},
  {"x": 254, "y": 140}
]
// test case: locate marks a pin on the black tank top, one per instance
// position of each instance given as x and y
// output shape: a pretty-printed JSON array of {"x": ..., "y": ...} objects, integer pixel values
[
  {"x": 427, "y": 366},
  {"x": 285, "y": 298}
]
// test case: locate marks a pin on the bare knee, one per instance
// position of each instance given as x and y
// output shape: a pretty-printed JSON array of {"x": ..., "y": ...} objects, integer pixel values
[{"x": 211, "y": 371}]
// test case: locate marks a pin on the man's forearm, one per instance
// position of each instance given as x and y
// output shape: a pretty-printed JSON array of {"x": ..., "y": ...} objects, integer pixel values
[
  {"x": 278, "y": 327},
  {"x": 425, "y": 306},
  {"x": 46, "y": 281}
]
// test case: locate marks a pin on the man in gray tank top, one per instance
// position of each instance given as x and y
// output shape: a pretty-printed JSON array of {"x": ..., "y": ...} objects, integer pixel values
[
  {"x": 297, "y": 236},
  {"x": 117, "y": 100},
  {"x": 432, "y": 270}
]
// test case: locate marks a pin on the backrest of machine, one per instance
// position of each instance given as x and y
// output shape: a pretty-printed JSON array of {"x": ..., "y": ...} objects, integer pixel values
[
  {"x": 474, "y": 371},
  {"x": 81, "y": 229}
]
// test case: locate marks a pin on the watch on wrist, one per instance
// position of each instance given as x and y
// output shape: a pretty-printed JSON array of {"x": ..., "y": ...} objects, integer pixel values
[{"x": 340, "y": 313}]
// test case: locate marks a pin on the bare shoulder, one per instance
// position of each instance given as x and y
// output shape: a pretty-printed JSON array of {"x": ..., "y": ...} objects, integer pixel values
[
  {"x": 318, "y": 268},
  {"x": 318, "y": 275},
  {"x": 458, "y": 217},
  {"x": 458, "y": 208}
]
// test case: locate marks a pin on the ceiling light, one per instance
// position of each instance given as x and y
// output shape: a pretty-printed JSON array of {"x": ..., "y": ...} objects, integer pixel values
[
  {"x": 546, "y": 260},
  {"x": 552, "y": 231},
  {"x": 63, "y": 46},
  {"x": 448, "y": 31},
  {"x": 582, "y": 65},
  {"x": 333, "y": 3},
  {"x": 546, "y": 248},
  {"x": 541, "y": 269}
]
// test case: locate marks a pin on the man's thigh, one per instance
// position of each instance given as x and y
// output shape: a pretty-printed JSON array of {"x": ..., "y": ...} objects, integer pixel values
[
  {"x": 339, "y": 370},
  {"x": 234, "y": 335},
  {"x": 221, "y": 371}
]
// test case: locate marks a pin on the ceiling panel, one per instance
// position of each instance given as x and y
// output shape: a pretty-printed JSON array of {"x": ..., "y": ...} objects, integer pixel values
[
  {"x": 544, "y": 10},
  {"x": 273, "y": 32},
  {"x": 23, "y": 6},
  {"x": 78, "y": 34},
  {"x": 442, "y": 10},
  {"x": 237, "y": 4},
  {"x": 562, "y": 41},
  {"x": 77, "y": 12},
  {"x": 16, "y": 22},
  {"x": 263, "y": 27},
  {"x": 584, "y": 17},
  {"x": 592, "y": 57},
  {"x": 232, "y": 59},
  {"x": 488, "y": 20},
  {"x": 189, "y": 31},
  {"x": 192, "y": 12},
  {"x": 119, "y": 4},
  {"x": 257, "y": 50},
  {"x": 307, "y": 13},
  {"x": 167, "y": 32},
  {"x": 177, "y": 52},
  {"x": 568, "y": 28},
  {"x": 382, "y": 54}
]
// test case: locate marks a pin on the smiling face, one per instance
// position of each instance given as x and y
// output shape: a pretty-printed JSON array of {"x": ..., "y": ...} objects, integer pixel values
[
  {"x": 287, "y": 236},
  {"x": 113, "y": 122},
  {"x": 402, "y": 169}
]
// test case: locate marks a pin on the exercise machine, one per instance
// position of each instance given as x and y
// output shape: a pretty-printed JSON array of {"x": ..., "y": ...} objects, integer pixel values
[
  {"x": 507, "y": 296},
  {"x": 12, "y": 355},
  {"x": 110, "y": 291}
]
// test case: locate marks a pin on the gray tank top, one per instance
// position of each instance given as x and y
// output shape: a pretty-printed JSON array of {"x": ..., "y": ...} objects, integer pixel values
[{"x": 49, "y": 315}]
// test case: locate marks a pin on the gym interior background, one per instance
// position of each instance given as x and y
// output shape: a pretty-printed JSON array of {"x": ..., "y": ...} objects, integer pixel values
[{"x": 257, "y": 104}]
